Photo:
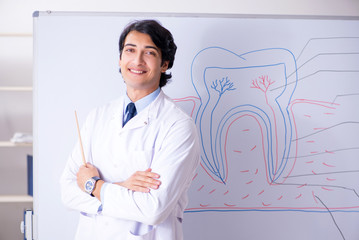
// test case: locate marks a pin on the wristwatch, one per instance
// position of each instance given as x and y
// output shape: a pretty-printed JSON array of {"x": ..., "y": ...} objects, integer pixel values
[{"x": 90, "y": 185}]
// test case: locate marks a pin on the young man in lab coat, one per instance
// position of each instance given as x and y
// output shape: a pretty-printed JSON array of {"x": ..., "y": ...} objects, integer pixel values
[{"x": 135, "y": 183}]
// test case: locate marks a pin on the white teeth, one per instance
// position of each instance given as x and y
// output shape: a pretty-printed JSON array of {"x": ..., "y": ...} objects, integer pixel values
[{"x": 135, "y": 71}]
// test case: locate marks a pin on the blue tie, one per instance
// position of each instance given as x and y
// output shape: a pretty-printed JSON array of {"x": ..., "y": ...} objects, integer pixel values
[{"x": 131, "y": 112}]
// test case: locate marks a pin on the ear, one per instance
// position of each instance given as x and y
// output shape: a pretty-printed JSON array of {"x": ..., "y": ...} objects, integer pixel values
[
  {"x": 119, "y": 64},
  {"x": 164, "y": 66}
]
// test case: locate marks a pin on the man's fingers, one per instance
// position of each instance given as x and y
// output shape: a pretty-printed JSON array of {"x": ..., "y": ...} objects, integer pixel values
[
  {"x": 142, "y": 181},
  {"x": 141, "y": 189},
  {"x": 147, "y": 174},
  {"x": 148, "y": 183}
]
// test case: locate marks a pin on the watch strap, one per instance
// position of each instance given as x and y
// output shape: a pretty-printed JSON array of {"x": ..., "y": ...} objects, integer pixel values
[{"x": 96, "y": 179}]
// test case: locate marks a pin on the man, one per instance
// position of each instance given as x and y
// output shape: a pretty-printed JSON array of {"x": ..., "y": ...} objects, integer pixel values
[{"x": 138, "y": 171}]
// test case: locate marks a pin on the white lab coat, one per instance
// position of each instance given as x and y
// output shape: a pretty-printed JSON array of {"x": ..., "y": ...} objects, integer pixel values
[{"x": 162, "y": 137}]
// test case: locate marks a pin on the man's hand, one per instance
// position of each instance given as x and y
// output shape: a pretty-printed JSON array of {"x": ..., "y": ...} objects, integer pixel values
[
  {"x": 85, "y": 173},
  {"x": 142, "y": 181}
]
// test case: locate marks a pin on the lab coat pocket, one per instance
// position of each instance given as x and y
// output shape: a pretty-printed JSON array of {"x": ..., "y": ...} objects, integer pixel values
[
  {"x": 141, "y": 160},
  {"x": 148, "y": 236}
]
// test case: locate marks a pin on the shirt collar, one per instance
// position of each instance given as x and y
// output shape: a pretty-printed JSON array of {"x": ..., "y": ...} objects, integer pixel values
[{"x": 143, "y": 102}]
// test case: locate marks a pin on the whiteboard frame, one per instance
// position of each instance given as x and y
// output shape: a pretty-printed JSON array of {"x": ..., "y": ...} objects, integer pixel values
[{"x": 38, "y": 14}]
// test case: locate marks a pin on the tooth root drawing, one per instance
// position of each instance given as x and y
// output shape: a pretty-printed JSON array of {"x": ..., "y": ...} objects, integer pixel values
[{"x": 265, "y": 74}]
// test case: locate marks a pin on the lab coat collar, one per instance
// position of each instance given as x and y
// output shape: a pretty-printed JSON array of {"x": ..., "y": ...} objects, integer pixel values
[{"x": 145, "y": 117}]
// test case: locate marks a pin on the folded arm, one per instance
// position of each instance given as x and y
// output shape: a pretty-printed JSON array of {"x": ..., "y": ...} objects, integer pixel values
[
  {"x": 140, "y": 181},
  {"x": 174, "y": 162}
]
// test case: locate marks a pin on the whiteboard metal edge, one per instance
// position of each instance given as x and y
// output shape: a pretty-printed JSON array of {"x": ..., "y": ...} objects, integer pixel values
[
  {"x": 50, "y": 13},
  {"x": 35, "y": 148}
]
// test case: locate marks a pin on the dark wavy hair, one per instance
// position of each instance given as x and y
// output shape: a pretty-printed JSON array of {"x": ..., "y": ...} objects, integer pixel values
[{"x": 160, "y": 36}]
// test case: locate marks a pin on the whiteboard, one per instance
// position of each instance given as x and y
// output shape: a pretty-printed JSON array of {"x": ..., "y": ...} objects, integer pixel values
[{"x": 274, "y": 99}]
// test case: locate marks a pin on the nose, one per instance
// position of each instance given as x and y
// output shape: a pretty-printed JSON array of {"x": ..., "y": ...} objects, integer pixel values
[{"x": 139, "y": 59}]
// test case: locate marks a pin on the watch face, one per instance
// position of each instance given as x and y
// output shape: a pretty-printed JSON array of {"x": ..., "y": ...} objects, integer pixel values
[{"x": 89, "y": 185}]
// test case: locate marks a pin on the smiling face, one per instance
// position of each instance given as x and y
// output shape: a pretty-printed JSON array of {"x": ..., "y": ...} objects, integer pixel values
[{"x": 140, "y": 64}]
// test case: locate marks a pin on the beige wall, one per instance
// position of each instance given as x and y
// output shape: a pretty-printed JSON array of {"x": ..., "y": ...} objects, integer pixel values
[{"x": 16, "y": 15}]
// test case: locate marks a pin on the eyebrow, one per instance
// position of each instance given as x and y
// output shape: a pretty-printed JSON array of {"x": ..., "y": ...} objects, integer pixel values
[{"x": 134, "y": 45}]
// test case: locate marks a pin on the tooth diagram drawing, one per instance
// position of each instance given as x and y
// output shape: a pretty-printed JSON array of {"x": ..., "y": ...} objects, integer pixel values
[
  {"x": 224, "y": 80},
  {"x": 278, "y": 134}
]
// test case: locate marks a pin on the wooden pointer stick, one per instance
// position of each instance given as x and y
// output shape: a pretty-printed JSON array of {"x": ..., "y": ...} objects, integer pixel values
[{"x": 82, "y": 148}]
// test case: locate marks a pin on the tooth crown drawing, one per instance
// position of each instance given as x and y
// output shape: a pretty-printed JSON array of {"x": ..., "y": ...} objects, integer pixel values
[{"x": 251, "y": 74}]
